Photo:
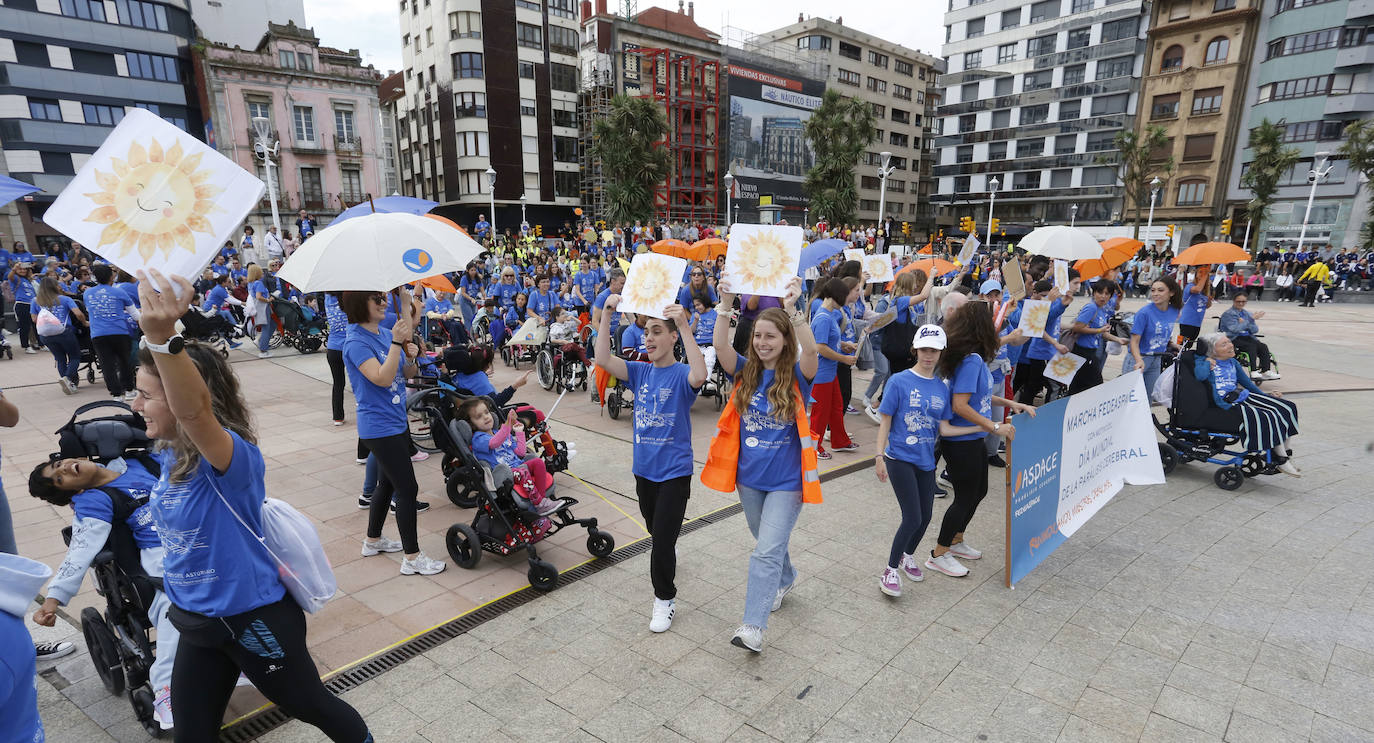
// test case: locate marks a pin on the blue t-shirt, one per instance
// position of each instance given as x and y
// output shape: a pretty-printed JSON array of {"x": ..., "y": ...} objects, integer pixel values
[
  {"x": 1194, "y": 307},
  {"x": 972, "y": 377},
  {"x": 62, "y": 309},
  {"x": 22, "y": 288},
  {"x": 214, "y": 299},
  {"x": 1094, "y": 317},
  {"x": 338, "y": 323},
  {"x": 633, "y": 340},
  {"x": 503, "y": 454},
  {"x": 917, "y": 404},
  {"x": 586, "y": 282},
  {"x": 827, "y": 332},
  {"x": 600, "y": 304},
  {"x": 543, "y": 304},
  {"x": 441, "y": 306},
  {"x": 514, "y": 316},
  {"x": 770, "y": 449},
  {"x": 219, "y": 269},
  {"x": 1009, "y": 324},
  {"x": 138, "y": 482},
  {"x": 258, "y": 290},
  {"x": 130, "y": 290},
  {"x": 1155, "y": 328},
  {"x": 473, "y": 286},
  {"x": 505, "y": 293},
  {"x": 107, "y": 310},
  {"x": 1040, "y": 349},
  {"x": 211, "y": 564},
  {"x": 19, "y": 700},
  {"x": 706, "y": 326},
  {"x": 684, "y": 295},
  {"x": 381, "y": 410},
  {"x": 478, "y": 383},
  {"x": 663, "y": 420}
]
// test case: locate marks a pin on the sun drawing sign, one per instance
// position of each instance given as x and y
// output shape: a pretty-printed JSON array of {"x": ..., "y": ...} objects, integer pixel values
[
  {"x": 153, "y": 196},
  {"x": 762, "y": 258}
]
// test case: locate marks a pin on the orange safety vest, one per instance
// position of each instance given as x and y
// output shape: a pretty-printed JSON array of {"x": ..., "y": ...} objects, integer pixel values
[{"x": 722, "y": 460}]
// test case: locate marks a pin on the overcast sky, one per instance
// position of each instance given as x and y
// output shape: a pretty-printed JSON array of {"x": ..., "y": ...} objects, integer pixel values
[{"x": 373, "y": 27}]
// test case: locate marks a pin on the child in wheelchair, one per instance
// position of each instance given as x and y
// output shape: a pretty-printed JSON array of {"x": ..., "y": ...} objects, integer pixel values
[{"x": 506, "y": 445}]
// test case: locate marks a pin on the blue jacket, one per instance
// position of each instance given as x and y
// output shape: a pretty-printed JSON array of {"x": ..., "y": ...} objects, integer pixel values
[{"x": 1226, "y": 377}]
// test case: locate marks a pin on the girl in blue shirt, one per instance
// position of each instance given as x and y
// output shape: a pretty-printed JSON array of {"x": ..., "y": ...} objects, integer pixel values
[
  {"x": 506, "y": 445},
  {"x": 1152, "y": 330},
  {"x": 470, "y": 293},
  {"x": 828, "y": 410},
  {"x": 664, "y": 391},
  {"x": 20, "y": 281},
  {"x": 262, "y": 313},
  {"x": 228, "y": 601},
  {"x": 1091, "y": 326},
  {"x": 1197, "y": 298},
  {"x": 66, "y": 350},
  {"x": 338, "y": 331},
  {"x": 704, "y": 329}
]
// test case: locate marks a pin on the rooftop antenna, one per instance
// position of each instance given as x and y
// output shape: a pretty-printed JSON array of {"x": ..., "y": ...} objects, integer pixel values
[{"x": 629, "y": 9}]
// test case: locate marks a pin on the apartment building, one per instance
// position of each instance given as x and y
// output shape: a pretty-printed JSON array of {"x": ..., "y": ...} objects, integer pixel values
[
  {"x": 1034, "y": 96},
  {"x": 900, "y": 85},
  {"x": 1196, "y": 71},
  {"x": 1313, "y": 70},
  {"x": 68, "y": 72},
  {"x": 491, "y": 86}
]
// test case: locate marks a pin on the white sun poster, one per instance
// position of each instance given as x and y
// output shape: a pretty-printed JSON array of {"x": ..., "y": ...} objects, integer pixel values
[
  {"x": 762, "y": 258},
  {"x": 153, "y": 196},
  {"x": 878, "y": 267},
  {"x": 652, "y": 283}
]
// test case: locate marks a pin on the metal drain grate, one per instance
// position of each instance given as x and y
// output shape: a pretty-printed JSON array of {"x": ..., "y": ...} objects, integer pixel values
[{"x": 265, "y": 721}]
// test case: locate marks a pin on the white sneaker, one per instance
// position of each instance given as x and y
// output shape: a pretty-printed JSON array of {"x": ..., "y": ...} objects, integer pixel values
[
  {"x": 873, "y": 414},
  {"x": 663, "y": 615},
  {"x": 749, "y": 637},
  {"x": 29, "y": 350},
  {"x": 1271, "y": 375},
  {"x": 67, "y": 388},
  {"x": 964, "y": 551},
  {"x": 1288, "y": 468},
  {"x": 421, "y": 565},
  {"x": 550, "y": 506},
  {"x": 383, "y": 544},
  {"x": 777, "y": 600},
  {"x": 948, "y": 565},
  {"x": 891, "y": 582},
  {"x": 264, "y": 354}
]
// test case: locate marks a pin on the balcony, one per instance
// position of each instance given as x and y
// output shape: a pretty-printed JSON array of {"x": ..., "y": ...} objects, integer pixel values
[
  {"x": 312, "y": 200},
  {"x": 1350, "y": 103},
  {"x": 308, "y": 146},
  {"x": 349, "y": 198},
  {"x": 348, "y": 145},
  {"x": 1355, "y": 56}
]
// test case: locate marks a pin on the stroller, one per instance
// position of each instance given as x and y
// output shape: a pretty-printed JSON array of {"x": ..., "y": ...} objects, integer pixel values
[
  {"x": 299, "y": 329},
  {"x": 505, "y": 522},
  {"x": 209, "y": 327},
  {"x": 1198, "y": 430},
  {"x": 118, "y": 637}
]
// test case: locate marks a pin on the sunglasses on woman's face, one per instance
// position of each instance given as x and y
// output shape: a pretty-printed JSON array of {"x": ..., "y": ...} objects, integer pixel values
[{"x": 378, "y": 298}]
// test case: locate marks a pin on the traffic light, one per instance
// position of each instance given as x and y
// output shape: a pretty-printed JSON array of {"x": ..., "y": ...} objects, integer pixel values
[
  {"x": 1225, "y": 226},
  {"x": 992, "y": 228},
  {"x": 1169, "y": 232},
  {"x": 539, "y": 231},
  {"x": 906, "y": 229},
  {"x": 966, "y": 224}
]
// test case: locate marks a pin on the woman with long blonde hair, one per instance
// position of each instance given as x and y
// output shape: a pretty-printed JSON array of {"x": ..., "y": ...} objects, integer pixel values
[
  {"x": 59, "y": 334},
  {"x": 764, "y": 449}
]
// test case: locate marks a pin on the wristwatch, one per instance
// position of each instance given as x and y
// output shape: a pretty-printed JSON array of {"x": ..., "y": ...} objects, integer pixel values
[
  {"x": 996, "y": 427},
  {"x": 172, "y": 347}
]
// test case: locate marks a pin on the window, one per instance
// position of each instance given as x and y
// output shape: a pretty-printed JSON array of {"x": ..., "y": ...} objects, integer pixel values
[
  {"x": 45, "y": 109},
  {"x": 473, "y": 144},
  {"x": 566, "y": 183},
  {"x": 564, "y": 113},
  {"x": 429, "y": 36},
  {"x": 901, "y": 91},
  {"x": 467, "y": 105},
  {"x": 1164, "y": 106},
  {"x": 1172, "y": 59},
  {"x": 967, "y": 123},
  {"x": 968, "y": 92},
  {"x": 1081, "y": 6},
  {"x": 527, "y": 107},
  {"x": 1191, "y": 193},
  {"x": 1099, "y": 176},
  {"x": 153, "y": 67},
  {"x": 303, "y": 119},
  {"x": 1356, "y": 36},
  {"x": 1101, "y": 141},
  {"x": 175, "y": 115},
  {"x": 880, "y": 111},
  {"x": 1066, "y": 144},
  {"x": 529, "y": 5},
  {"x": 1163, "y": 152},
  {"x": 877, "y": 86},
  {"x": 1043, "y": 11},
  {"x": 1035, "y": 114},
  {"x": 1303, "y": 43},
  {"x": 1179, "y": 10},
  {"x": 1308, "y": 131},
  {"x": 563, "y": 40},
  {"x": 529, "y": 35},
  {"x": 351, "y": 181},
  {"x": 102, "y": 115},
  {"x": 1001, "y": 119},
  {"x": 91, "y": 10},
  {"x": 464, "y": 24},
  {"x": 899, "y": 140},
  {"x": 562, "y": 8},
  {"x": 565, "y": 149},
  {"x": 1106, "y": 105},
  {"x": 1041, "y": 45},
  {"x": 57, "y": 163},
  {"x": 141, "y": 14},
  {"x": 877, "y": 60},
  {"x": 851, "y": 51},
  {"x": 563, "y": 77},
  {"x": 1115, "y": 67},
  {"x": 902, "y": 68},
  {"x": 964, "y": 154},
  {"x": 1026, "y": 180},
  {"x": 1207, "y": 101},
  {"x": 1061, "y": 178},
  {"x": 1198, "y": 146},
  {"x": 1030, "y": 147},
  {"x": 1080, "y": 37},
  {"x": 472, "y": 181},
  {"x": 1221, "y": 5},
  {"x": 870, "y": 181},
  {"x": 467, "y": 65},
  {"x": 30, "y": 54},
  {"x": 1075, "y": 74},
  {"x": 312, "y": 186},
  {"x": 526, "y": 70},
  {"x": 997, "y": 151},
  {"x": 1006, "y": 53},
  {"x": 813, "y": 42},
  {"x": 1011, "y": 18},
  {"x": 1123, "y": 29},
  {"x": 1037, "y": 80},
  {"x": 1299, "y": 88},
  {"x": 529, "y": 145},
  {"x": 848, "y": 78},
  {"x": 1217, "y": 50},
  {"x": 962, "y": 184},
  {"x": 1003, "y": 86},
  {"x": 974, "y": 28},
  {"x": 1285, "y": 5},
  {"x": 900, "y": 116},
  {"x": 344, "y": 127},
  {"x": 259, "y": 109},
  {"x": 1070, "y": 110},
  {"x": 973, "y": 60},
  {"x": 286, "y": 58}
]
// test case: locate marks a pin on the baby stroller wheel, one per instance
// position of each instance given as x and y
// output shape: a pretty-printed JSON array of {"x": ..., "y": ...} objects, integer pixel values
[
  {"x": 1168, "y": 457},
  {"x": 1228, "y": 478},
  {"x": 543, "y": 364},
  {"x": 459, "y": 494},
  {"x": 90, "y": 375},
  {"x": 104, "y": 652},
  {"x": 464, "y": 546},
  {"x": 142, "y": 701},
  {"x": 613, "y": 399},
  {"x": 600, "y": 543},
  {"x": 543, "y": 576}
]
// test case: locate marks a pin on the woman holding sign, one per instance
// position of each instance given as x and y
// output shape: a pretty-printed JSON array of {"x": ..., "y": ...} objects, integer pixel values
[
  {"x": 763, "y": 449},
  {"x": 664, "y": 391}
]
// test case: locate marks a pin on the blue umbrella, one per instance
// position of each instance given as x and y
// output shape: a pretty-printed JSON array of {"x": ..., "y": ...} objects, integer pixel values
[
  {"x": 813, "y": 254},
  {"x": 387, "y": 205},
  {"x": 10, "y": 189}
]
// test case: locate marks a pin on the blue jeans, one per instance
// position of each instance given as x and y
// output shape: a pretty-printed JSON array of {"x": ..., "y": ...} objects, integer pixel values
[
  {"x": 881, "y": 369},
  {"x": 771, "y": 516},
  {"x": 469, "y": 311},
  {"x": 265, "y": 334},
  {"x": 66, "y": 351},
  {"x": 7, "y": 543},
  {"x": 1151, "y": 371}
]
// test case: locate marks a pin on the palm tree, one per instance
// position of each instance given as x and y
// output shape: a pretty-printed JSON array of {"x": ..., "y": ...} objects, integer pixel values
[
  {"x": 1359, "y": 150},
  {"x": 1135, "y": 158},
  {"x": 838, "y": 131},
  {"x": 1270, "y": 161},
  {"x": 634, "y": 161}
]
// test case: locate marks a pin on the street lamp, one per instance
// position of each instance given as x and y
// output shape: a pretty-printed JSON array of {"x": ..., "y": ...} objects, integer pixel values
[
  {"x": 992, "y": 201},
  {"x": 524, "y": 224},
  {"x": 1154, "y": 194},
  {"x": 729, "y": 190},
  {"x": 1073, "y": 214},
  {"x": 736, "y": 213},
  {"x": 262, "y": 132},
  {"x": 883, "y": 172},
  {"x": 491, "y": 193},
  {"x": 1248, "y": 221},
  {"x": 1314, "y": 177},
  {"x": 806, "y": 217}
]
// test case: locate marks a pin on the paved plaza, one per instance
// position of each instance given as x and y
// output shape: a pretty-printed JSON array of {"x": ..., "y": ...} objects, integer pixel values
[{"x": 1180, "y": 612}]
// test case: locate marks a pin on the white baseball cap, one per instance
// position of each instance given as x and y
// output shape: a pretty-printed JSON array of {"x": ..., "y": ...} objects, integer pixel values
[{"x": 929, "y": 336}]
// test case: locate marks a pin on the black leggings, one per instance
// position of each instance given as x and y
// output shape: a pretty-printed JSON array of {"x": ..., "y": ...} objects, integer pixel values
[
  {"x": 915, "y": 490},
  {"x": 116, "y": 362},
  {"x": 1256, "y": 349},
  {"x": 395, "y": 479},
  {"x": 268, "y": 645},
  {"x": 1029, "y": 380},
  {"x": 1090, "y": 374},
  {"x": 845, "y": 374},
  {"x": 968, "y": 473},
  {"x": 1189, "y": 331},
  {"x": 663, "y": 506},
  {"x": 336, "y": 369}
]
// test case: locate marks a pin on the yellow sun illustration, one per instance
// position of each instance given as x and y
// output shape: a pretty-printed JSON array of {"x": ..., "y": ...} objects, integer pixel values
[
  {"x": 1037, "y": 316},
  {"x": 1064, "y": 366},
  {"x": 878, "y": 266},
  {"x": 763, "y": 260},
  {"x": 153, "y": 200},
  {"x": 650, "y": 285}
]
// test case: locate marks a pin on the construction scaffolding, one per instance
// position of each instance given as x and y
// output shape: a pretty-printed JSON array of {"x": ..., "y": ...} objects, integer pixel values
[
  {"x": 594, "y": 102},
  {"x": 688, "y": 88}
]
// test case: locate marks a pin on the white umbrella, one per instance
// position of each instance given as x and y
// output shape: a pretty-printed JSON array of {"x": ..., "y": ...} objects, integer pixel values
[
  {"x": 1059, "y": 241},
  {"x": 377, "y": 252}
]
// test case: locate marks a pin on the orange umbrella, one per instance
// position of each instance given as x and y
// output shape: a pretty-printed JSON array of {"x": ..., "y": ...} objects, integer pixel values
[
  {"x": 448, "y": 222},
  {"x": 929, "y": 249},
  {"x": 710, "y": 248},
  {"x": 1207, "y": 254},
  {"x": 1115, "y": 251},
  {"x": 932, "y": 267},
  {"x": 439, "y": 283},
  {"x": 675, "y": 248}
]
